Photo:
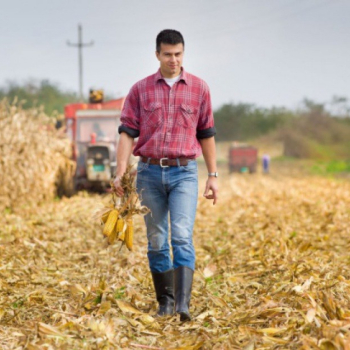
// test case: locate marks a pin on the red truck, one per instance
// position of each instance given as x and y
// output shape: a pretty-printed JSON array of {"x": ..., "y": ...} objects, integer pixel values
[
  {"x": 93, "y": 129},
  {"x": 242, "y": 158}
]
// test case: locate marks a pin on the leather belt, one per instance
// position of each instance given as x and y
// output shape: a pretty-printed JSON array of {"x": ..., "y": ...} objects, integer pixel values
[{"x": 165, "y": 162}]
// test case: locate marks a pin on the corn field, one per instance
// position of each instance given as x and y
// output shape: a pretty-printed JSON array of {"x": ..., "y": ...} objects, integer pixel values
[
  {"x": 272, "y": 269},
  {"x": 35, "y": 157}
]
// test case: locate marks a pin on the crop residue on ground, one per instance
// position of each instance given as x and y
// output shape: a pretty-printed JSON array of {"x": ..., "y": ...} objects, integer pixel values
[{"x": 273, "y": 272}]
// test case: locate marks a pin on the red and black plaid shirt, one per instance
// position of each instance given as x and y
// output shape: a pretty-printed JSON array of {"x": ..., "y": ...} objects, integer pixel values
[{"x": 168, "y": 121}]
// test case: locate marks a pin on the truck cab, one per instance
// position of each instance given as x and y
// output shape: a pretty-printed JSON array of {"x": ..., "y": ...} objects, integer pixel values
[
  {"x": 93, "y": 130},
  {"x": 242, "y": 158}
]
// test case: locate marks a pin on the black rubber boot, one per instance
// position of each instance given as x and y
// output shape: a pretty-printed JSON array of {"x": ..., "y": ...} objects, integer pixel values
[
  {"x": 164, "y": 287},
  {"x": 183, "y": 287}
]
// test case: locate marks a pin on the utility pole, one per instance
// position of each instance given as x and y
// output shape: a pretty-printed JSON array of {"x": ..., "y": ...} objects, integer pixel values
[{"x": 80, "y": 46}]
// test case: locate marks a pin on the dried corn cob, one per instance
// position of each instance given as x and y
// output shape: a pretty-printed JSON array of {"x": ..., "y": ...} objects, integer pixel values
[
  {"x": 121, "y": 229},
  {"x": 105, "y": 216},
  {"x": 129, "y": 234},
  {"x": 110, "y": 223},
  {"x": 113, "y": 236},
  {"x": 122, "y": 236},
  {"x": 120, "y": 225}
]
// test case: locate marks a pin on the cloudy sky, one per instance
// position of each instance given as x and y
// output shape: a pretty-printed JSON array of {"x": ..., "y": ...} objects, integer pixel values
[{"x": 268, "y": 52}]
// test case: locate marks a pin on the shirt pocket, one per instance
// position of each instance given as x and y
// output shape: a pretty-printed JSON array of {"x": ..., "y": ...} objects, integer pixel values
[
  {"x": 188, "y": 116},
  {"x": 152, "y": 114}
]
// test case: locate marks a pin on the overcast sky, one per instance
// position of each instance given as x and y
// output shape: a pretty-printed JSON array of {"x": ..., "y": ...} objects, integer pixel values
[{"x": 268, "y": 52}]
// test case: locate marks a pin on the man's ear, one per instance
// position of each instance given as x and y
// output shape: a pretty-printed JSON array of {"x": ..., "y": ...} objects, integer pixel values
[{"x": 157, "y": 55}]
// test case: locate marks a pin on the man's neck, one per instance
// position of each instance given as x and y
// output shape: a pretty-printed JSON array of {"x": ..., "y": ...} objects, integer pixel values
[{"x": 170, "y": 76}]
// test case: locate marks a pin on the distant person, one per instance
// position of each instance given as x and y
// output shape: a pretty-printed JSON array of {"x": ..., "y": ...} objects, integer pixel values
[{"x": 266, "y": 163}]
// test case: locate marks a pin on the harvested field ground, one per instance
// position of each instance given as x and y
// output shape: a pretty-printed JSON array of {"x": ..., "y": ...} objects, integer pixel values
[{"x": 273, "y": 272}]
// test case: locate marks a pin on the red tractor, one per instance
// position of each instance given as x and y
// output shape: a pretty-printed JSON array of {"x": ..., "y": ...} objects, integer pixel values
[
  {"x": 242, "y": 158},
  {"x": 93, "y": 129}
]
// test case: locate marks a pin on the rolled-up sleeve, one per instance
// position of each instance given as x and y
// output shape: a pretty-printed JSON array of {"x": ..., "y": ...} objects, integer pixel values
[
  {"x": 205, "y": 126},
  {"x": 130, "y": 116}
]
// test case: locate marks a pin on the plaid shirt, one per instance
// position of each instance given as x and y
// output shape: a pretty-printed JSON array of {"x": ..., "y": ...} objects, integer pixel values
[{"x": 168, "y": 121}]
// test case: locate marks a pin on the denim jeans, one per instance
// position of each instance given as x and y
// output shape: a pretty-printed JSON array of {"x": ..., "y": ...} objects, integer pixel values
[{"x": 167, "y": 190}]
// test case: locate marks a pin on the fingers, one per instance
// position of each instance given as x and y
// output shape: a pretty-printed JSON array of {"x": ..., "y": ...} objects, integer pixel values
[
  {"x": 118, "y": 190},
  {"x": 212, "y": 196},
  {"x": 206, "y": 191},
  {"x": 214, "y": 192},
  {"x": 215, "y": 198}
]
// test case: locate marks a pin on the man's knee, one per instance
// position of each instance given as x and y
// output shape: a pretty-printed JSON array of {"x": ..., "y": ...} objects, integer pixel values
[{"x": 157, "y": 241}]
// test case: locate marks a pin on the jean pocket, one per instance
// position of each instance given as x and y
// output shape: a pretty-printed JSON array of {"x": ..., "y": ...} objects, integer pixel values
[
  {"x": 188, "y": 116},
  {"x": 190, "y": 167},
  {"x": 152, "y": 114},
  {"x": 141, "y": 166}
]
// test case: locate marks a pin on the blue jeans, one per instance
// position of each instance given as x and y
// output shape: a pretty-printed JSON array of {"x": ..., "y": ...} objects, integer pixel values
[{"x": 171, "y": 190}]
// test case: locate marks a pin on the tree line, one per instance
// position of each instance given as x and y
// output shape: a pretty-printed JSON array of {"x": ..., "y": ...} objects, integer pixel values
[
  {"x": 244, "y": 121},
  {"x": 38, "y": 93},
  {"x": 313, "y": 130}
]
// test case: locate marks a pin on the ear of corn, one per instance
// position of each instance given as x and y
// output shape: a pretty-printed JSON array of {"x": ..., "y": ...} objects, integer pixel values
[
  {"x": 113, "y": 236},
  {"x": 105, "y": 216},
  {"x": 121, "y": 229},
  {"x": 129, "y": 234},
  {"x": 121, "y": 236},
  {"x": 120, "y": 225},
  {"x": 110, "y": 223}
]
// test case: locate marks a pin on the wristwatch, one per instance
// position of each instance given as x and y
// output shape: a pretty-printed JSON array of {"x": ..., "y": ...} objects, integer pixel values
[{"x": 213, "y": 174}]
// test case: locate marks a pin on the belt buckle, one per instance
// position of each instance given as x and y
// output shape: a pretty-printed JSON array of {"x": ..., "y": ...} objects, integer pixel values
[{"x": 161, "y": 164}]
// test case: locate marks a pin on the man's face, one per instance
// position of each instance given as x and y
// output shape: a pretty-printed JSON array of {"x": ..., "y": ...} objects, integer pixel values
[{"x": 170, "y": 58}]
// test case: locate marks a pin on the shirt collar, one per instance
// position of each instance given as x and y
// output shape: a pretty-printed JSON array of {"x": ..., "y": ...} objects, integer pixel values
[{"x": 184, "y": 75}]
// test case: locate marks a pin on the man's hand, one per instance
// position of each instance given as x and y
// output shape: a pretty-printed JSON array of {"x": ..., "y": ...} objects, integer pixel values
[
  {"x": 212, "y": 186},
  {"x": 123, "y": 154},
  {"x": 117, "y": 187}
]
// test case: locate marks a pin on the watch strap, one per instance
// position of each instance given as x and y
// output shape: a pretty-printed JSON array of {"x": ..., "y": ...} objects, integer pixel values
[{"x": 216, "y": 174}]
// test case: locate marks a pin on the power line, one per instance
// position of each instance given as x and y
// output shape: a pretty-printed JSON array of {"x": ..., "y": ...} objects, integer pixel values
[{"x": 80, "y": 46}]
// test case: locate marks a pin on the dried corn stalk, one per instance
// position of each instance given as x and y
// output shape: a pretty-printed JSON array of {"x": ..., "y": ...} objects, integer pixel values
[{"x": 34, "y": 157}]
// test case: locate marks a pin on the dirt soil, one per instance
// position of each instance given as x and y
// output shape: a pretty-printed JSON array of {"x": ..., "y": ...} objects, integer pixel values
[{"x": 272, "y": 272}]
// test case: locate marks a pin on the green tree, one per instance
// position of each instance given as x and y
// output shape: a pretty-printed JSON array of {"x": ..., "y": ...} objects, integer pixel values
[
  {"x": 44, "y": 93},
  {"x": 244, "y": 121}
]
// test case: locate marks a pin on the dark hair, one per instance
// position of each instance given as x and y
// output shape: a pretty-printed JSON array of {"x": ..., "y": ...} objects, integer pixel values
[{"x": 169, "y": 36}]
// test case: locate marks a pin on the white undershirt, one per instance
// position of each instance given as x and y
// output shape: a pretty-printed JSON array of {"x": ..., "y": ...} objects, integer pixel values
[{"x": 172, "y": 81}]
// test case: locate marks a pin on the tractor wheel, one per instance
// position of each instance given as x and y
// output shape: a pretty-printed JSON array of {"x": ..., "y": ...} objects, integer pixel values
[{"x": 252, "y": 170}]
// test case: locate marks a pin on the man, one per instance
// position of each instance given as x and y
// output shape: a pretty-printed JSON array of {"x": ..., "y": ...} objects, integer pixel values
[{"x": 171, "y": 113}]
